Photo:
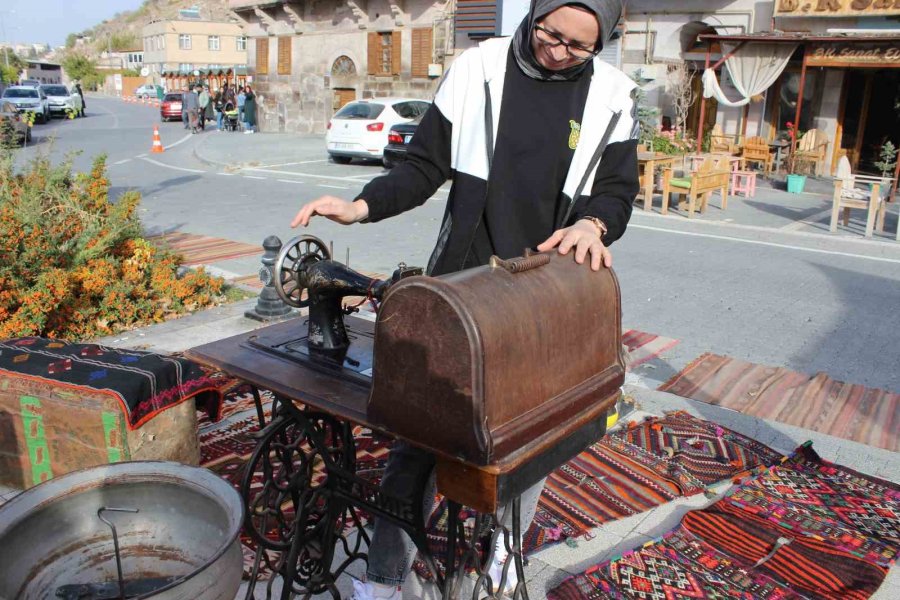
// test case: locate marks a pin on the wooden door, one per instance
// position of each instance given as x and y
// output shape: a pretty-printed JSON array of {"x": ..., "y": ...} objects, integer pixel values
[{"x": 343, "y": 96}]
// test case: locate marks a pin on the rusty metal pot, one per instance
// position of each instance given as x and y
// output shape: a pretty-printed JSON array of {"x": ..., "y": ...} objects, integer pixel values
[{"x": 176, "y": 528}]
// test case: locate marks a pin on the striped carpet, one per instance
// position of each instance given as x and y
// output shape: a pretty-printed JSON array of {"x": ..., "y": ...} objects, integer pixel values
[
  {"x": 805, "y": 529},
  {"x": 854, "y": 412},
  {"x": 203, "y": 249},
  {"x": 644, "y": 346}
]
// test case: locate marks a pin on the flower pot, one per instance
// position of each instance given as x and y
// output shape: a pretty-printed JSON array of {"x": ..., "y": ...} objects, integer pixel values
[{"x": 795, "y": 183}]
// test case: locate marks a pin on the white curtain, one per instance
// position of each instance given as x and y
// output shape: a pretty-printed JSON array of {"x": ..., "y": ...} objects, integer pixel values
[{"x": 753, "y": 68}]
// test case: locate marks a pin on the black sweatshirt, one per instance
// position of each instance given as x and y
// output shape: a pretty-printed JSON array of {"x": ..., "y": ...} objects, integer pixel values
[{"x": 522, "y": 202}]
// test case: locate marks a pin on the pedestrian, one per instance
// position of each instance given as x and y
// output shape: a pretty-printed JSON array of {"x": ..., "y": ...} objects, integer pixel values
[
  {"x": 240, "y": 104},
  {"x": 220, "y": 104},
  {"x": 184, "y": 111},
  {"x": 191, "y": 103},
  {"x": 81, "y": 94},
  {"x": 539, "y": 138},
  {"x": 249, "y": 110},
  {"x": 204, "y": 100}
]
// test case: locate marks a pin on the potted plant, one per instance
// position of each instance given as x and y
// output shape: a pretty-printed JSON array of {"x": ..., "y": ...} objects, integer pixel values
[{"x": 795, "y": 181}]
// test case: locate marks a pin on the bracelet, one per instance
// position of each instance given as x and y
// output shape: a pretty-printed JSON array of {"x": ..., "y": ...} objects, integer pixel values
[{"x": 600, "y": 225}]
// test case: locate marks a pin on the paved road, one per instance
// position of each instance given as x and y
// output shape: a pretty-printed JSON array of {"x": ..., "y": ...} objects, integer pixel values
[{"x": 773, "y": 296}]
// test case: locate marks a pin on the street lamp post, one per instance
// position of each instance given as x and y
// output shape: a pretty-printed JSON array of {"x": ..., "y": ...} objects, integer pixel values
[{"x": 3, "y": 30}]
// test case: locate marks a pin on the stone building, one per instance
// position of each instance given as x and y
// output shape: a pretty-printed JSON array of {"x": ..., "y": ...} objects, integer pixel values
[{"x": 309, "y": 58}]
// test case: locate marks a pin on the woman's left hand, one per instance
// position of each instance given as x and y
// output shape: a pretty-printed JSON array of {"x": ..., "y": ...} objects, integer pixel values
[{"x": 583, "y": 236}]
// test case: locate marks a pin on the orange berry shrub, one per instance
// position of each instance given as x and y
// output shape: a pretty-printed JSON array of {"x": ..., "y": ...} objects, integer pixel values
[{"x": 74, "y": 264}]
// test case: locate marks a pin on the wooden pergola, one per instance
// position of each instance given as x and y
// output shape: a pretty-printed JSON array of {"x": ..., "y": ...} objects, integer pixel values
[
  {"x": 214, "y": 78},
  {"x": 805, "y": 40}
]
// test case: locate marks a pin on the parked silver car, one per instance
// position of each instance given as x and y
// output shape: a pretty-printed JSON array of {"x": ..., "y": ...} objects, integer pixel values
[
  {"x": 29, "y": 99},
  {"x": 61, "y": 99}
]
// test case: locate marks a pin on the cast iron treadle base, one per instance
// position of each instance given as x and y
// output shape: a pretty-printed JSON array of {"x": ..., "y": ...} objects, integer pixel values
[
  {"x": 464, "y": 555},
  {"x": 306, "y": 506}
]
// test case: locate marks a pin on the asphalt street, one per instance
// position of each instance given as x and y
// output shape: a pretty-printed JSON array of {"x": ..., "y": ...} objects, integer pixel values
[{"x": 772, "y": 296}]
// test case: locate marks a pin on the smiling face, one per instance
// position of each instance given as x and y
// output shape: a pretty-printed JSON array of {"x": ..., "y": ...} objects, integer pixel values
[{"x": 572, "y": 24}]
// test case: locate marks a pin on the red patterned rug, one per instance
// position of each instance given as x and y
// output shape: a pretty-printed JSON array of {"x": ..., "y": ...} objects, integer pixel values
[
  {"x": 628, "y": 472},
  {"x": 804, "y": 529}
]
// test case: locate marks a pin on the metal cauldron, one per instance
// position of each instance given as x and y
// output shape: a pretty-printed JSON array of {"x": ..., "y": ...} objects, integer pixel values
[{"x": 59, "y": 539}]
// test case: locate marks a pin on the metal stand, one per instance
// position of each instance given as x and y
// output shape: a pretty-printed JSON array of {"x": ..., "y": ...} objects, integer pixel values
[{"x": 307, "y": 504}]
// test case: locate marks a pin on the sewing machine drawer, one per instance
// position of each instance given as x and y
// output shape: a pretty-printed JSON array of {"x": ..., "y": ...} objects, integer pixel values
[{"x": 498, "y": 362}]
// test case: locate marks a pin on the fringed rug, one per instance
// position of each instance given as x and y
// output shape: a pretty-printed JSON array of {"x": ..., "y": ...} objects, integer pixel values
[
  {"x": 854, "y": 412},
  {"x": 644, "y": 346},
  {"x": 806, "y": 528},
  {"x": 203, "y": 249},
  {"x": 628, "y": 472}
]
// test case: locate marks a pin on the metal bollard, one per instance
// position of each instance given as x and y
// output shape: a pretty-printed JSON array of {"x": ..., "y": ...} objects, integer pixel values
[{"x": 269, "y": 306}]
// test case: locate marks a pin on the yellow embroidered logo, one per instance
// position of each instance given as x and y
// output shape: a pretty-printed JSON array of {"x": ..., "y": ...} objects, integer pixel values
[{"x": 574, "y": 134}]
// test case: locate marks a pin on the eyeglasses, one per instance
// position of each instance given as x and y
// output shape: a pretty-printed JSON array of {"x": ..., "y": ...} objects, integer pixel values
[{"x": 548, "y": 38}]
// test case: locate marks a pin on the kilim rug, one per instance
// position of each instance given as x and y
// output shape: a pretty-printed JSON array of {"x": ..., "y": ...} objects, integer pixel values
[
  {"x": 854, "y": 412},
  {"x": 644, "y": 346},
  {"x": 628, "y": 472},
  {"x": 203, "y": 249},
  {"x": 805, "y": 528}
]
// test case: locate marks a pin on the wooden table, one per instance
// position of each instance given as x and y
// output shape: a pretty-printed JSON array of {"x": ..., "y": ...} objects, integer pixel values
[
  {"x": 312, "y": 422},
  {"x": 779, "y": 146},
  {"x": 649, "y": 161}
]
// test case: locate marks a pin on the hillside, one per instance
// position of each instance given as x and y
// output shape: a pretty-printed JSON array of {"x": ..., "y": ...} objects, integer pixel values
[{"x": 123, "y": 31}]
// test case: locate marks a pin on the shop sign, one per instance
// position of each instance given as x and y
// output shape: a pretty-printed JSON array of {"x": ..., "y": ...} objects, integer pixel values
[
  {"x": 836, "y": 8},
  {"x": 850, "y": 55}
]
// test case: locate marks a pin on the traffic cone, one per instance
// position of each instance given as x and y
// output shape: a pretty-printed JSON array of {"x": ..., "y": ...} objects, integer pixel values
[{"x": 157, "y": 143}]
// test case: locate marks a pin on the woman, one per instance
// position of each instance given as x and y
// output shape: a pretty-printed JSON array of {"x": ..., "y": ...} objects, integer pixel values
[
  {"x": 249, "y": 110},
  {"x": 562, "y": 161}
]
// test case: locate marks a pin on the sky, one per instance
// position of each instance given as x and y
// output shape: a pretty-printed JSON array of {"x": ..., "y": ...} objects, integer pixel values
[{"x": 50, "y": 21}]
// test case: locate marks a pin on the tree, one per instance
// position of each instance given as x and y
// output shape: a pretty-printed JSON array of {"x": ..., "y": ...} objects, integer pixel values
[
  {"x": 680, "y": 88},
  {"x": 78, "y": 66},
  {"x": 71, "y": 40}
]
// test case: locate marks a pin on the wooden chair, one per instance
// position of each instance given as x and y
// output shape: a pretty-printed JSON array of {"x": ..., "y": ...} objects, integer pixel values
[
  {"x": 859, "y": 191},
  {"x": 719, "y": 142},
  {"x": 713, "y": 175},
  {"x": 756, "y": 150},
  {"x": 811, "y": 149}
]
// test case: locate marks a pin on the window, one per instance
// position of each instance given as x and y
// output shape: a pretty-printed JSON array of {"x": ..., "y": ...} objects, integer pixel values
[
  {"x": 360, "y": 110},
  {"x": 241, "y": 43},
  {"x": 162, "y": 42},
  {"x": 262, "y": 56},
  {"x": 284, "y": 56},
  {"x": 184, "y": 41},
  {"x": 384, "y": 53},
  {"x": 213, "y": 42},
  {"x": 421, "y": 51}
]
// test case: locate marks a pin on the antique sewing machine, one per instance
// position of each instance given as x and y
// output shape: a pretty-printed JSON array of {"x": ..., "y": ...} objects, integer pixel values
[
  {"x": 306, "y": 276},
  {"x": 504, "y": 372}
]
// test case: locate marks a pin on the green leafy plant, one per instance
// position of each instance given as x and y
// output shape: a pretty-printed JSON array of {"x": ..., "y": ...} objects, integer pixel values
[{"x": 887, "y": 159}]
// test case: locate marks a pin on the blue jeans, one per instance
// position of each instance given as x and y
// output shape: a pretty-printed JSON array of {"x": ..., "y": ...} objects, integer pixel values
[
  {"x": 219, "y": 116},
  {"x": 410, "y": 470}
]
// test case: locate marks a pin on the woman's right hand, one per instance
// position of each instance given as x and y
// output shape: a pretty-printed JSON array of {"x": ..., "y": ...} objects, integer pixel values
[{"x": 332, "y": 208}]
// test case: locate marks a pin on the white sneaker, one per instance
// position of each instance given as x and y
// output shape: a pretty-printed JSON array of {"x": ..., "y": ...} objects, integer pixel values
[
  {"x": 375, "y": 591},
  {"x": 496, "y": 569}
]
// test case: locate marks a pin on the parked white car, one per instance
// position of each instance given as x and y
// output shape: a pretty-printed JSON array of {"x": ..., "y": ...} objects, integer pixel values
[
  {"x": 29, "y": 99},
  {"x": 61, "y": 99},
  {"x": 360, "y": 129}
]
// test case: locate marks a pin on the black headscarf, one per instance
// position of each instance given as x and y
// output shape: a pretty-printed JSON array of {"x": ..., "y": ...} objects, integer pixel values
[{"x": 608, "y": 13}]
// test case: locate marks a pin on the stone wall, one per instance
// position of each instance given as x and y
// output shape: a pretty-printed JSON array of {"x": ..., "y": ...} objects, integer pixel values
[{"x": 302, "y": 102}]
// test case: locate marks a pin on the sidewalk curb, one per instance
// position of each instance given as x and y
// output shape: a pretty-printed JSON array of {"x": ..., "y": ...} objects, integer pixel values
[{"x": 235, "y": 165}]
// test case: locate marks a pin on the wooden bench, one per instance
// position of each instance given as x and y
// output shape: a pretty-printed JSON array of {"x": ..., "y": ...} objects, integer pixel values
[{"x": 713, "y": 175}]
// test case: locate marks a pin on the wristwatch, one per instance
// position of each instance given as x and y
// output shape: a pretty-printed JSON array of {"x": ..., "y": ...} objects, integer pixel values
[{"x": 600, "y": 225}]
